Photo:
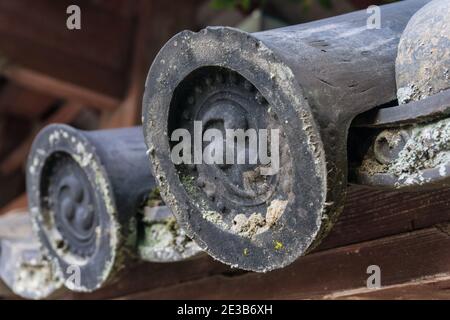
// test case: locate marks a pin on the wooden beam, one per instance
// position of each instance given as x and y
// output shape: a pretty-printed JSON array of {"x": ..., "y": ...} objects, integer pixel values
[
  {"x": 371, "y": 214},
  {"x": 371, "y": 222},
  {"x": 58, "y": 88},
  {"x": 402, "y": 259},
  {"x": 429, "y": 288},
  {"x": 18, "y": 101},
  {"x": 11, "y": 186},
  {"x": 20, "y": 202},
  {"x": 13, "y": 130},
  {"x": 18, "y": 157},
  {"x": 156, "y": 275}
]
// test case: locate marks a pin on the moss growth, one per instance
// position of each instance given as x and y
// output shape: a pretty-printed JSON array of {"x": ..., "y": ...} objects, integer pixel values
[
  {"x": 188, "y": 183},
  {"x": 165, "y": 241},
  {"x": 161, "y": 239},
  {"x": 154, "y": 198}
]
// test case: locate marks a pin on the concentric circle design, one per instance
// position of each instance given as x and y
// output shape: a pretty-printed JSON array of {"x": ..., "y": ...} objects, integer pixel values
[
  {"x": 72, "y": 199},
  {"x": 222, "y": 100},
  {"x": 71, "y": 206},
  {"x": 225, "y": 78}
]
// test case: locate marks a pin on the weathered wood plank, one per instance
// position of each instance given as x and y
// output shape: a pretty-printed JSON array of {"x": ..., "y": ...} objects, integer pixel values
[
  {"x": 423, "y": 289},
  {"x": 103, "y": 40},
  {"x": 402, "y": 258},
  {"x": 369, "y": 215},
  {"x": 156, "y": 275}
]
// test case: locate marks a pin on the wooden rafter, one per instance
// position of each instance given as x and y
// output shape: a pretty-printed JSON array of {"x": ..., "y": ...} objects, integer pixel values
[
  {"x": 20, "y": 202},
  {"x": 17, "y": 158},
  {"x": 406, "y": 234},
  {"x": 18, "y": 101},
  {"x": 49, "y": 85}
]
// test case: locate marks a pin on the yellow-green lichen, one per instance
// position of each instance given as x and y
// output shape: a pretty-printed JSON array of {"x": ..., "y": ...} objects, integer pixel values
[{"x": 278, "y": 245}]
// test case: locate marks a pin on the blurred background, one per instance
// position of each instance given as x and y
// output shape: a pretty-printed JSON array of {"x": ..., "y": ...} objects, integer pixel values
[{"x": 93, "y": 78}]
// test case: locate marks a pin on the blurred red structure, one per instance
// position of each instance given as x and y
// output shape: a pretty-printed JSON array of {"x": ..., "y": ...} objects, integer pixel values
[{"x": 92, "y": 78}]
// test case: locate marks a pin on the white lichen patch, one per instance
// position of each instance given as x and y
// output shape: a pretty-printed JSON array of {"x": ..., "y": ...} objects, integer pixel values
[
  {"x": 84, "y": 157},
  {"x": 36, "y": 279},
  {"x": 252, "y": 225},
  {"x": 165, "y": 241},
  {"x": 408, "y": 94},
  {"x": 427, "y": 148},
  {"x": 443, "y": 171},
  {"x": 256, "y": 223},
  {"x": 215, "y": 218},
  {"x": 275, "y": 211},
  {"x": 248, "y": 227},
  {"x": 34, "y": 165},
  {"x": 55, "y": 136}
]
